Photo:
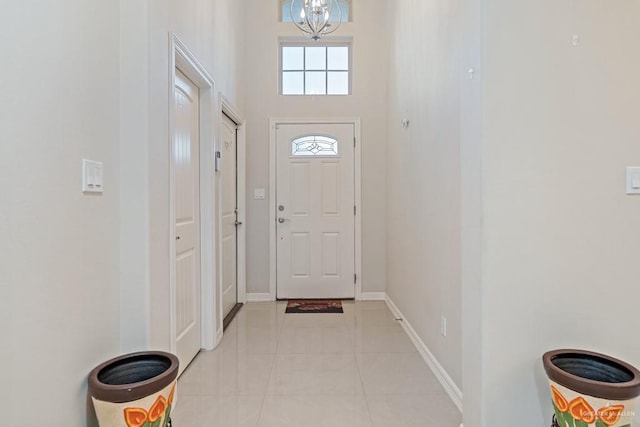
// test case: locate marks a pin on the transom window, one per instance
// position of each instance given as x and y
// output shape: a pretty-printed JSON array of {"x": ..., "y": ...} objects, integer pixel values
[
  {"x": 315, "y": 69},
  {"x": 314, "y": 145},
  {"x": 285, "y": 10}
]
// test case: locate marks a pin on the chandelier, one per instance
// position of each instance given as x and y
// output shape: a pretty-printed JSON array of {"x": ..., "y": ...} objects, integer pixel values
[{"x": 315, "y": 15}]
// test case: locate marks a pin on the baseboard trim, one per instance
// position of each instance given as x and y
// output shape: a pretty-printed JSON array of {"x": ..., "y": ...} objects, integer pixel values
[
  {"x": 219, "y": 335},
  {"x": 259, "y": 297},
  {"x": 372, "y": 296},
  {"x": 365, "y": 296},
  {"x": 441, "y": 374}
]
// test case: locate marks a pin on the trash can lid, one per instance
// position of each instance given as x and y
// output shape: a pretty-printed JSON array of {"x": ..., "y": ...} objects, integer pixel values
[
  {"x": 133, "y": 376},
  {"x": 593, "y": 374}
]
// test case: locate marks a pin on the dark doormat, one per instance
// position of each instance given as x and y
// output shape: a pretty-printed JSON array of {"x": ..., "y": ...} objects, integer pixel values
[{"x": 314, "y": 306}]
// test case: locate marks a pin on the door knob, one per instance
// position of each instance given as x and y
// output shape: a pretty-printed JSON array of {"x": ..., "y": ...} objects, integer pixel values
[
  {"x": 238, "y": 223},
  {"x": 281, "y": 220}
]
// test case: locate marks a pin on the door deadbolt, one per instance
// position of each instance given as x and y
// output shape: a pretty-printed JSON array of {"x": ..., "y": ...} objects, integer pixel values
[{"x": 280, "y": 208}]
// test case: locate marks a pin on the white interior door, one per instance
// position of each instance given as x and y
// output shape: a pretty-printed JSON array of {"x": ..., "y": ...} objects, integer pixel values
[
  {"x": 186, "y": 205},
  {"x": 229, "y": 216},
  {"x": 315, "y": 211}
]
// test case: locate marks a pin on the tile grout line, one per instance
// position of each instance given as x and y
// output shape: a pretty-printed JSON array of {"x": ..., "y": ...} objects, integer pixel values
[
  {"x": 273, "y": 366},
  {"x": 347, "y": 329},
  {"x": 364, "y": 391}
]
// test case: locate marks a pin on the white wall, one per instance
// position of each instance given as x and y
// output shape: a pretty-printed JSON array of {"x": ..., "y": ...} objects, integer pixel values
[
  {"x": 423, "y": 185},
  {"x": 85, "y": 278},
  {"x": 213, "y": 32},
  {"x": 546, "y": 256},
  {"x": 368, "y": 101},
  {"x": 471, "y": 230},
  {"x": 560, "y": 258},
  {"x": 59, "y": 251},
  {"x": 135, "y": 304}
]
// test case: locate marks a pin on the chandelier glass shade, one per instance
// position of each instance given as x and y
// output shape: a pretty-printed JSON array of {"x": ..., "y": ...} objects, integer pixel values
[{"x": 314, "y": 17}]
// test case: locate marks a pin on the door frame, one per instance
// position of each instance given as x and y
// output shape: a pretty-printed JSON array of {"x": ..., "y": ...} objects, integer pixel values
[
  {"x": 357, "y": 156},
  {"x": 227, "y": 108},
  {"x": 182, "y": 58}
]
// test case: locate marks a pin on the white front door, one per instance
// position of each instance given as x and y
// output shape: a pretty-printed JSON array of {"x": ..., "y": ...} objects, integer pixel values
[
  {"x": 315, "y": 211},
  {"x": 229, "y": 216},
  {"x": 186, "y": 205}
]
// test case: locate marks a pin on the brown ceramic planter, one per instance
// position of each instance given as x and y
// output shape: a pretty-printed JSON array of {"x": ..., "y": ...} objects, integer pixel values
[
  {"x": 134, "y": 390},
  {"x": 591, "y": 389}
]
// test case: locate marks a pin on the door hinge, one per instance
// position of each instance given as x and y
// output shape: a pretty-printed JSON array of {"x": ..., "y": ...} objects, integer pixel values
[
  {"x": 354, "y": 210},
  {"x": 355, "y": 279},
  {"x": 354, "y": 142}
]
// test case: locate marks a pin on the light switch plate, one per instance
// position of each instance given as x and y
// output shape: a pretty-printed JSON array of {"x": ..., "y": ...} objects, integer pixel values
[
  {"x": 258, "y": 193},
  {"x": 633, "y": 180},
  {"x": 92, "y": 176}
]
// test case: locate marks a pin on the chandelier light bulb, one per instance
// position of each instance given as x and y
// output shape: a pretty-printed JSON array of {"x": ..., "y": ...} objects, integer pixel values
[{"x": 315, "y": 17}]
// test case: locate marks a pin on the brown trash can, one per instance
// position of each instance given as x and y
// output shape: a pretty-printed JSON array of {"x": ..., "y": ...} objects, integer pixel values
[
  {"x": 134, "y": 390},
  {"x": 591, "y": 389}
]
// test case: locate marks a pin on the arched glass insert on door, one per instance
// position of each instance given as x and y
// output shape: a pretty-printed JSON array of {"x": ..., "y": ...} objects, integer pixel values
[{"x": 314, "y": 145}]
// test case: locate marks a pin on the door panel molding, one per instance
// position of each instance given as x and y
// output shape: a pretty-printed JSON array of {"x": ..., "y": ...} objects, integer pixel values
[
  {"x": 273, "y": 123},
  {"x": 227, "y": 108},
  {"x": 228, "y": 162},
  {"x": 182, "y": 59}
]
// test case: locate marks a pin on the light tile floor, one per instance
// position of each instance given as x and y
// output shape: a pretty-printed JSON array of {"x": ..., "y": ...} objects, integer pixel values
[{"x": 357, "y": 369}]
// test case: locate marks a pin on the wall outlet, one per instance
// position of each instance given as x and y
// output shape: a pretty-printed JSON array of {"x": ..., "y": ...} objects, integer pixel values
[{"x": 443, "y": 326}]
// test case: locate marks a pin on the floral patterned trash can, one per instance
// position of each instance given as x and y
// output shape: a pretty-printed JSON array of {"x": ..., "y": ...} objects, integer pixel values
[
  {"x": 591, "y": 389},
  {"x": 134, "y": 390}
]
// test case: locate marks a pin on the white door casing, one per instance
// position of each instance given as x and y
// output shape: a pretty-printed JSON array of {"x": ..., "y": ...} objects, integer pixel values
[
  {"x": 228, "y": 153},
  {"x": 186, "y": 206},
  {"x": 183, "y": 60},
  {"x": 315, "y": 211}
]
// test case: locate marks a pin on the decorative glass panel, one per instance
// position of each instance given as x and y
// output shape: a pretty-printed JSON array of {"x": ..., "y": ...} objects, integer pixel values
[{"x": 314, "y": 145}]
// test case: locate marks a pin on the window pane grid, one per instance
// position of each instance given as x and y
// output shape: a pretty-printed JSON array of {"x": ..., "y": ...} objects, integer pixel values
[{"x": 302, "y": 75}]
